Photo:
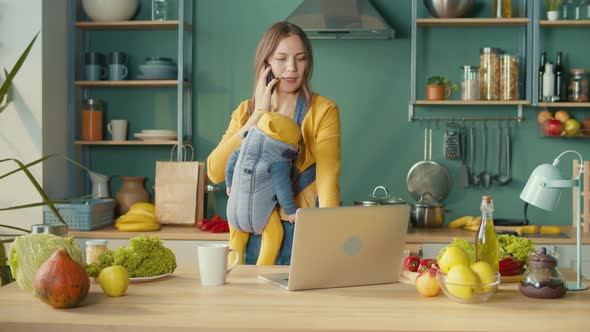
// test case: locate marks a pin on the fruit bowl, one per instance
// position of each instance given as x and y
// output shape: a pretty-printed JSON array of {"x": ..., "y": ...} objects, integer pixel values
[{"x": 468, "y": 293}]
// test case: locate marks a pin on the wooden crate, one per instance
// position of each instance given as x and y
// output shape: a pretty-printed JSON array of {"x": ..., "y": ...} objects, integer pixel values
[{"x": 585, "y": 191}]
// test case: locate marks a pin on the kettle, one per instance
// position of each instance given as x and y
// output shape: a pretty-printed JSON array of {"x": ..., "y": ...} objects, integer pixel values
[{"x": 100, "y": 185}]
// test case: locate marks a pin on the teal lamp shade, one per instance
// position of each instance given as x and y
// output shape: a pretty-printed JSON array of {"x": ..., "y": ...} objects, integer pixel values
[{"x": 537, "y": 193}]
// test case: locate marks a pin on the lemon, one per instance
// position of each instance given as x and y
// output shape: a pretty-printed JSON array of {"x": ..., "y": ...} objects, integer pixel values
[
  {"x": 486, "y": 275},
  {"x": 451, "y": 257},
  {"x": 460, "y": 280},
  {"x": 114, "y": 280}
]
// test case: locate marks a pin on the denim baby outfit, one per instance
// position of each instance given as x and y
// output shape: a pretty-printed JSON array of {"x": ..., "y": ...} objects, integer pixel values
[{"x": 259, "y": 173}]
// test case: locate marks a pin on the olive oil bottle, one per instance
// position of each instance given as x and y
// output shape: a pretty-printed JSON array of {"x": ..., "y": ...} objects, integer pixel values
[{"x": 486, "y": 242}]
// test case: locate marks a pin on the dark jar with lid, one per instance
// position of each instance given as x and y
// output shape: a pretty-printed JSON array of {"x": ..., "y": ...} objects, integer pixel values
[{"x": 542, "y": 279}]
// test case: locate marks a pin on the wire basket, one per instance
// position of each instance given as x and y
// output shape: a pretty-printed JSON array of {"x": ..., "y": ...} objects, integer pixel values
[{"x": 83, "y": 215}]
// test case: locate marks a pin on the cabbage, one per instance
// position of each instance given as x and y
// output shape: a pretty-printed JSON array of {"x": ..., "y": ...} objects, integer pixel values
[{"x": 28, "y": 252}]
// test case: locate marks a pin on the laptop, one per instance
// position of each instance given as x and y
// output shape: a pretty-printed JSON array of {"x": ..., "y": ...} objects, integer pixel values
[{"x": 345, "y": 246}]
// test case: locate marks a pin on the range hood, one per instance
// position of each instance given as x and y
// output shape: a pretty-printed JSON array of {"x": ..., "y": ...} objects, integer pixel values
[{"x": 340, "y": 19}]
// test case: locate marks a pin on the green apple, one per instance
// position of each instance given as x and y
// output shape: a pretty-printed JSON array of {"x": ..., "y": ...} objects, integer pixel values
[
  {"x": 572, "y": 127},
  {"x": 114, "y": 280}
]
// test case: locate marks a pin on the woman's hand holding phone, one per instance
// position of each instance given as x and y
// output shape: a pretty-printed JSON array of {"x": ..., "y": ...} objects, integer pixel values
[{"x": 262, "y": 99}]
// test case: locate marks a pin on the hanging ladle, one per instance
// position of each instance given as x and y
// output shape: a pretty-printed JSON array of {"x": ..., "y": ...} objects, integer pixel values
[
  {"x": 485, "y": 177},
  {"x": 500, "y": 178}
]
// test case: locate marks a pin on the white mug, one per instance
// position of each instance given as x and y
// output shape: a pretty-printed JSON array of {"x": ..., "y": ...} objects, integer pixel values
[
  {"x": 213, "y": 268},
  {"x": 118, "y": 130}
]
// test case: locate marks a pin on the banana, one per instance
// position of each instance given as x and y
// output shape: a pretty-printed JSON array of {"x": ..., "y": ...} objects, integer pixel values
[
  {"x": 474, "y": 222},
  {"x": 143, "y": 206},
  {"x": 550, "y": 230},
  {"x": 133, "y": 218},
  {"x": 460, "y": 222},
  {"x": 142, "y": 211},
  {"x": 138, "y": 227},
  {"x": 527, "y": 230}
]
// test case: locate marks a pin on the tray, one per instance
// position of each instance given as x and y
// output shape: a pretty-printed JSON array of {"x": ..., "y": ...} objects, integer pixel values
[{"x": 83, "y": 215}]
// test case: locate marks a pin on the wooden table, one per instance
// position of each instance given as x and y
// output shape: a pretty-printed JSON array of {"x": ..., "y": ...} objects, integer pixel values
[{"x": 249, "y": 304}]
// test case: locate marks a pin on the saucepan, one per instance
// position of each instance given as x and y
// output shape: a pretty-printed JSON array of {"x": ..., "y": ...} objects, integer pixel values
[
  {"x": 427, "y": 213},
  {"x": 380, "y": 199}
]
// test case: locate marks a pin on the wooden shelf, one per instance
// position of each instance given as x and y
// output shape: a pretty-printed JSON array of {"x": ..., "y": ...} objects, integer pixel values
[
  {"x": 472, "y": 102},
  {"x": 131, "y": 25},
  {"x": 471, "y": 22},
  {"x": 130, "y": 83},
  {"x": 154, "y": 142},
  {"x": 564, "y": 104},
  {"x": 565, "y": 23}
]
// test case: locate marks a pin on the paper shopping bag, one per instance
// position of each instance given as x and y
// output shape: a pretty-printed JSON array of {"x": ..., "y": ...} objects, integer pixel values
[{"x": 177, "y": 191}]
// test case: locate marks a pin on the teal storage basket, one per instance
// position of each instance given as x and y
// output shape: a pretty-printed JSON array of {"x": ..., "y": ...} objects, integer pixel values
[{"x": 83, "y": 215}]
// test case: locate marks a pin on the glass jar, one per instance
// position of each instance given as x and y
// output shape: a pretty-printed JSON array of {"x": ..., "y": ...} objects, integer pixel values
[
  {"x": 470, "y": 83},
  {"x": 509, "y": 83},
  {"x": 489, "y": 73},
  {"x": 542, "y": 279},
  {"x": 92, "y": 120},
  {"x": 578, "y": 86},
  {"x": 94, "y": 248},
  {"x": 159, "y": 10}
]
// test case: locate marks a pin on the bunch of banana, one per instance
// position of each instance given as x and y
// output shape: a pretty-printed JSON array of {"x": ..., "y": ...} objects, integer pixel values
[
  {"x": 141, "y": 217},
  {"x": 468, "y": 223},
  {"x": 534, "y": 229}
]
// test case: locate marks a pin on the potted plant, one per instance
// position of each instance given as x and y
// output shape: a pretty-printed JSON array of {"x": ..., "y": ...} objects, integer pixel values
[
  {"x": 552, "y": 7},
  {"x": 439, "y": 88}
]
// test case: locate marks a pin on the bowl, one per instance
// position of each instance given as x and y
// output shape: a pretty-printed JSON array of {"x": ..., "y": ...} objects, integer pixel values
[
  {"x": 110, "y": 10},
  {"x": 468, "y": 293},
  {"x": 448, "y": 8}
]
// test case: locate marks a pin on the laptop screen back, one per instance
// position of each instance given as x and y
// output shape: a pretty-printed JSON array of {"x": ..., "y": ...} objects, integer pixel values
[{"x": 348, "y": 246}]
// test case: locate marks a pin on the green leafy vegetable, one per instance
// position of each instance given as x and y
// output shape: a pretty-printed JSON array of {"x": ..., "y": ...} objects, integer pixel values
[
  {"x": 145, "y": 257},
  {"x": 28, "y": 252},
  {"x": 463, "y": 244},
  {"x": 515, "y": 247}
]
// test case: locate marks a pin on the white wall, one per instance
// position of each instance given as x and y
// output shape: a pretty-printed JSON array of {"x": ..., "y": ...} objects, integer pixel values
[{"x": 34, "y": 124}]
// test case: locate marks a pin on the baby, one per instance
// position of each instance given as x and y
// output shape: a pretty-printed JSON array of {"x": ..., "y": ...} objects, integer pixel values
[{"x": 258, "y": 176}]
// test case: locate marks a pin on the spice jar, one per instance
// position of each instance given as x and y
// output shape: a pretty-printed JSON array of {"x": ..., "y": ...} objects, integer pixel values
[
  {"x": 470, "y": 83},
  {"x": 542, "y": 279},
  {"x": 489, "y": 73},
  {"x": 509, "y": 82},
  {"x": 578, "y": 86},
  {"x": 92, "y": 120},
  {"x": 94, "y": 248}
]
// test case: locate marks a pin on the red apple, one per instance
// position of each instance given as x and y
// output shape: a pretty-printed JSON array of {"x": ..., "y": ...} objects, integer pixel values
[
  {"x": 552, "y": 127},
  {"x": 427, "y": 284}
]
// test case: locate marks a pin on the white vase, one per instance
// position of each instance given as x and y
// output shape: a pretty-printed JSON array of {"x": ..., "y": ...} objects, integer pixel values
[{"x": 552, "y": 15}]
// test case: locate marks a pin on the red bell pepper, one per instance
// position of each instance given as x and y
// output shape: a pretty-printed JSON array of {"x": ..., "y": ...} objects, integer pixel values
[
  {"x": 426, "y": 264},
  {"x": 411, "y": 263},
  {"x": 200, "y": 223},
  {"x": 510, "y": 266},
  {"x": 220, "y": 227}
]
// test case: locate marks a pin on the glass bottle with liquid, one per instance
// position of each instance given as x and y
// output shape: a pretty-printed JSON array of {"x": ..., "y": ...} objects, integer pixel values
[
  {"x": 486, "y": 240},
  {"x": 505, "y": 10}
]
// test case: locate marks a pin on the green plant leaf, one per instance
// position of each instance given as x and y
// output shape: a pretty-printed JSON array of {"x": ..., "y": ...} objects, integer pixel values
[{"x": 15, "y": 69}]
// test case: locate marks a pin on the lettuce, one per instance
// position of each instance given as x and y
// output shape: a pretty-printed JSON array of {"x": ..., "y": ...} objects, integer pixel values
[
  {"x": 28, "y": 252},
  {"x": 516, "y": 247}
]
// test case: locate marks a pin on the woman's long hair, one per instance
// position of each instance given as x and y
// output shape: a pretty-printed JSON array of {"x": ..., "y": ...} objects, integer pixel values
[{"x": 268, "y": 44}]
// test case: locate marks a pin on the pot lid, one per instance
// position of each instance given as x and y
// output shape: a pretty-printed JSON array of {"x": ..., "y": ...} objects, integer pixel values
[
  {"x": 540, "y": 259},
  {"x": 385, "y": 197}
]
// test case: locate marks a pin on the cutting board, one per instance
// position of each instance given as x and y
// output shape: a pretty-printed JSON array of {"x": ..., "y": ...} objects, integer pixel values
[{"x": 510, "y": 279}]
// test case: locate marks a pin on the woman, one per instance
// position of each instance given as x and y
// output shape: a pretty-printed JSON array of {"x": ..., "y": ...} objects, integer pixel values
[{"x": 285, "y": 51}]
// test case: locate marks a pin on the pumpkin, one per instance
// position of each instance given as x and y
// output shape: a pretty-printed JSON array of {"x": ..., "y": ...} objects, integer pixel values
[{"x": 61, "y": 282}]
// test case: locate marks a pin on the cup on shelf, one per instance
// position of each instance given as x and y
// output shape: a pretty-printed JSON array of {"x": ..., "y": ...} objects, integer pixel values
[
  {"x": 118, "y": 58},
  {"x": 213, "y": 269},
  {"x": 118, "y": 130},
  {"x": 117, "y": 72},
  {"x": 94, "y": 66}
]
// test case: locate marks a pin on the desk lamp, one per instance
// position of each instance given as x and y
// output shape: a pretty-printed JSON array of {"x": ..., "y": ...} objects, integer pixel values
[{"x": 543, "y": 190}]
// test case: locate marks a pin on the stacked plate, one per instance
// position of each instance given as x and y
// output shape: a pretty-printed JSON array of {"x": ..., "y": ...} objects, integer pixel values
[
  {"x": 157, "y": 68},
  {"x": 156, "y": 135}
]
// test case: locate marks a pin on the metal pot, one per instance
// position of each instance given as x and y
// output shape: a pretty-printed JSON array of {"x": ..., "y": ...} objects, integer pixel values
[
  {"x": 427, "y": 213},
  {"x": 385, "y": 199}
]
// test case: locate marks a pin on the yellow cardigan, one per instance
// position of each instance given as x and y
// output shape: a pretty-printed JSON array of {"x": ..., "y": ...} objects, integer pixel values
[{"x": 321, "y": 145}]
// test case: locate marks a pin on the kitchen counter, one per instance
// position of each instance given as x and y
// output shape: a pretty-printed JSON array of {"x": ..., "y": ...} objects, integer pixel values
[
  {"x": 247, "y": 303},
  {"x": 415, "y": 235}
]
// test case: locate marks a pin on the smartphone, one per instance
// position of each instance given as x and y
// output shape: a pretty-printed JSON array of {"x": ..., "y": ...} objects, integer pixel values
[{"x": 269, "y": 77}]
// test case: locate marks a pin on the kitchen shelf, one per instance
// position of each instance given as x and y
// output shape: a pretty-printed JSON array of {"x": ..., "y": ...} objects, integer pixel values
[
  {"x": 130, "y": 83},
  {"x": 131, "y": 25},
  {"x": 472, "y": 102},
  {"x": 565, "y": 23},
  {"x": 471, "y": 22},
  {"x": 564, "y": 104},
  {"x": 154, "y": 142}
]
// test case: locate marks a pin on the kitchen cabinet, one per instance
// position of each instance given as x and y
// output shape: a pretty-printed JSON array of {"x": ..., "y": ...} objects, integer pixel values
[
  {"x": 524, "y": 26},
  {"x": 169, "y": 38}
]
